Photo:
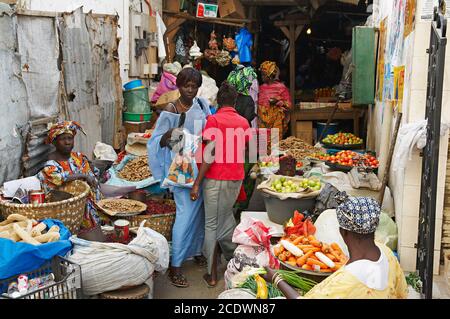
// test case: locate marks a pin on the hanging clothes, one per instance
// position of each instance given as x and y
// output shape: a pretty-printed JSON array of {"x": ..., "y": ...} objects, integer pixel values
[
  {"x": 244, "y": 42},
  {"x": 161, "y": 30}
]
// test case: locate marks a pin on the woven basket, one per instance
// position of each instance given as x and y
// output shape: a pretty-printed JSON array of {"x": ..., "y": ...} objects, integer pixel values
[
  {"x": 70, "y": 211},
  {"x": 162, "y": 223}
]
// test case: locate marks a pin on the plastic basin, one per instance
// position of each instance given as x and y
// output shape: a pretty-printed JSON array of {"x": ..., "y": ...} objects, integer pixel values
[
  {"x": 279, "y": 211},
  {"x": 136, "y": 101},
  {"x": 132, "y": 84}
]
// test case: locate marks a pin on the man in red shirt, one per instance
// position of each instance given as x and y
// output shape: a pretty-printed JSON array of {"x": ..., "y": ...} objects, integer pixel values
[{"x": 222, "y": 172}]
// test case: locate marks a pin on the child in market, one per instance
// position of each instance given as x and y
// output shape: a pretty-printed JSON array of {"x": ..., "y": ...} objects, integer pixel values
[{"x": 222, "y": 173}]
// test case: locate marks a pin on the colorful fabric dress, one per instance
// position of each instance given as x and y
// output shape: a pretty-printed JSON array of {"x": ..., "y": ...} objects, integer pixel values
[
  {"x": 188, "y": 231},
  {"x": 269, "y": 114},
  {"x": 55, "y": 173},
  {"x": 343, "y": 284}
]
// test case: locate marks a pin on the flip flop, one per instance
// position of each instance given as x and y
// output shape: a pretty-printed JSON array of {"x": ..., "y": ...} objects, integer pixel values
[
  {"x": 178, "y": 280},
  {"x": 205, "y": 279}
]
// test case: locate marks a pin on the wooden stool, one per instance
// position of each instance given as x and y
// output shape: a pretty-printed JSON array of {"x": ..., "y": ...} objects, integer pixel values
[{"x": 135, "y": 292}]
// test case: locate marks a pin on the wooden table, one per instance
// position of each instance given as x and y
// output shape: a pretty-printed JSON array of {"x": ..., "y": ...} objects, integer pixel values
[{"x": 345, "y": 112}]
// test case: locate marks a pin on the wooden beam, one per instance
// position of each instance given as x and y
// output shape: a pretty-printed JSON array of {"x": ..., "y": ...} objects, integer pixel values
[
  {"x": 286, "y": 32},
  {"x": 177, "y": 23},
  {"x": 210, "y": 20},
  {"x": 298, "y": 30},
  {"x": 291, "y": 22},
  {"x": 292, "y": 61}
]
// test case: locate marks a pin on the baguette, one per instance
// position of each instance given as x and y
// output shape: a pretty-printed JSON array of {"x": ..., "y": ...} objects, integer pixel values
[
  {"x": 38, "y": 229},
  {"x": 54, "y": 229},
  {"x": 24, "y": 235},
  {"x": 10, "y": 226},
  {"x": 17, "y": 217},
  {"x": 5, "y": 222},
  {"x": 29, "y": 226},
  {"x": 48, "y": 237}
]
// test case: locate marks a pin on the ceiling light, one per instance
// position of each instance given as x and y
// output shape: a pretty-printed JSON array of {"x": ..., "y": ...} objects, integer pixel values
[{"x": 308, "y": 31}]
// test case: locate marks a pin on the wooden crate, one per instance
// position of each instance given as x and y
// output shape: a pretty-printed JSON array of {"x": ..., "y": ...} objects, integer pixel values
[{"x": 304, "y": 131}]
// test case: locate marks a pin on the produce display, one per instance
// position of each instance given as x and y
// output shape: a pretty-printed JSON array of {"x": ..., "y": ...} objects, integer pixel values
[
  {"x": 261, "y": 288},
  {"x": 298, "y": 148},
  {"x": 308, "y": 253},
  {"x": 269, "y": 161},
  {"x": 20, "y": 228},
  {"x": 349, "y": 158},
  {"x": 343, "y": 139},
  {"x": 114, "y": 206},
  {"x": 160, "y": 207},
  {"x": 299, "y": 226},
  {"x": 283, "y": 185},
  {"x": 136, "y": 170}
]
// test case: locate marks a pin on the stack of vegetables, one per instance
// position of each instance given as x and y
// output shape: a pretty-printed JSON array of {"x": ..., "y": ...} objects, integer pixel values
[{"x": 308, "y": 253}]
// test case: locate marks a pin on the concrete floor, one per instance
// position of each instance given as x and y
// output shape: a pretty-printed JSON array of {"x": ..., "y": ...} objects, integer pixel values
[{"x": 163, "y": 289}]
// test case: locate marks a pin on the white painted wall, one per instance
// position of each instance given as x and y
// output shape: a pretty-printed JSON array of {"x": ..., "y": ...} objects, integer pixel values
[
  {"x": 119, "y": 7},
  {"x": 406, "y": 187}
]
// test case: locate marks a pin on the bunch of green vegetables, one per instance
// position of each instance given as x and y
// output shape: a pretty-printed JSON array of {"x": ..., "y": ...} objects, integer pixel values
[
  {"x": 414, "y": 281},
  {"x": 251, "y": 284},
  {"x": 294, "y": 280}
]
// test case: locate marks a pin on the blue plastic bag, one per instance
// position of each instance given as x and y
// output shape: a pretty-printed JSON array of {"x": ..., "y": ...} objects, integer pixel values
[
  {"x": 115, "y": 180},
  {"x": 18, "y": 258}
]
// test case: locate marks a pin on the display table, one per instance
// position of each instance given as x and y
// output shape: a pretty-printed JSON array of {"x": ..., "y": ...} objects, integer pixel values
[{"x": 310, "y": 111}]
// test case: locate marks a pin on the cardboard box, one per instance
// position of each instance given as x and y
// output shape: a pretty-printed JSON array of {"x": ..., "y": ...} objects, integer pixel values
[
  {"x": 304, "y": 131},
  {"x": 231, "y": 9}
]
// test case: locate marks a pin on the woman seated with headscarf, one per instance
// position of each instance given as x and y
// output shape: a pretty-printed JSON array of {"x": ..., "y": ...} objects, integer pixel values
[
  {"x": 372, "y": 270},
  {"x": 274, "y": 100},
  {"x": 64, "y": 166}
]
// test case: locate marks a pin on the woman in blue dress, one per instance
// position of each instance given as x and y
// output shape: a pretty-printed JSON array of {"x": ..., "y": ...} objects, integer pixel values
[{"x": 189, "y": 227}]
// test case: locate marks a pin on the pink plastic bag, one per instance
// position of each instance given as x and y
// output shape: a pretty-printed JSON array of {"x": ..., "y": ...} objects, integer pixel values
[
  {"x": 168, "y": 83},
  {"x": 252, "y": 232}
]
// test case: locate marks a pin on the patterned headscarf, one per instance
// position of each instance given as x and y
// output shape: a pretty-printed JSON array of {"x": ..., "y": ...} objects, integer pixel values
[
  {"x": 242, "y": 79},
  {"x": 269, "y": 69},
  {"x": 360, "y": 215},
  {"x": 63, "y": 127}
]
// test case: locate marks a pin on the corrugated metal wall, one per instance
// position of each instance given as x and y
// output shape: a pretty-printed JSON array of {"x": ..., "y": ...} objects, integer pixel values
[{"x": 54, "y": 64}]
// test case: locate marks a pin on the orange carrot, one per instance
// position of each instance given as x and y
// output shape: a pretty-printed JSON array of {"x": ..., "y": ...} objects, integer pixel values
[
  {"x": 314, "y": 249},
  {"x": 276, "y": 251},
  {"x": 302, "y": 260},
  {"x": 302, "y": 247},
  {"x": 292, "y": 263},
  {"x": 307, "y": 267},
  {"x": 311, "y": 238},
  {"x": 297, "y": 240},
  {"x": 292, "y": 259},
  {"x": 292, "y": 237},
  {"x": 326, "y": 248},
  {"x": 331, "y": 256},
  {"x": 336, "y": 247},
  {"x": 335, "y": 254},
  {"x": 316, "y": 243},
  {"x": 282, "y": 256},
  {"x": 313, "y": 262},
  {"x": 305, "y": 241},
  {"x": 287, "y": 253}
]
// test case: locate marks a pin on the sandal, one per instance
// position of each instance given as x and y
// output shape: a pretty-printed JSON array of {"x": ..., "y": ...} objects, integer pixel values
[
  {"x": 201, "y": 261},
  {"x": 208, "y": 281},
  {"x": 178, "y": 280}
]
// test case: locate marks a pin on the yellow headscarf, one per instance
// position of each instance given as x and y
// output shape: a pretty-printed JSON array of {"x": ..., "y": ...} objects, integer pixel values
[{"x": 269, "y": 69}]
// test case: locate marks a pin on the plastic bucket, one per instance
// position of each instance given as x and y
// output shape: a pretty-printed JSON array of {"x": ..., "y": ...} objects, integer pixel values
[
  {"x": 332, "y": 129},
  {"x": 137, "y": 117},
  {"x": 137, "y": 101},
  {"x": 132, "y": 85},
  {"x": 279, "y": 211}
]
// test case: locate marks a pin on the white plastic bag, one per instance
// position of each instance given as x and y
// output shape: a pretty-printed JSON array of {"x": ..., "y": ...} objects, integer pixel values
[
  {"x": 104, "y": 152},
  {"x": 109, "y": 266}
]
